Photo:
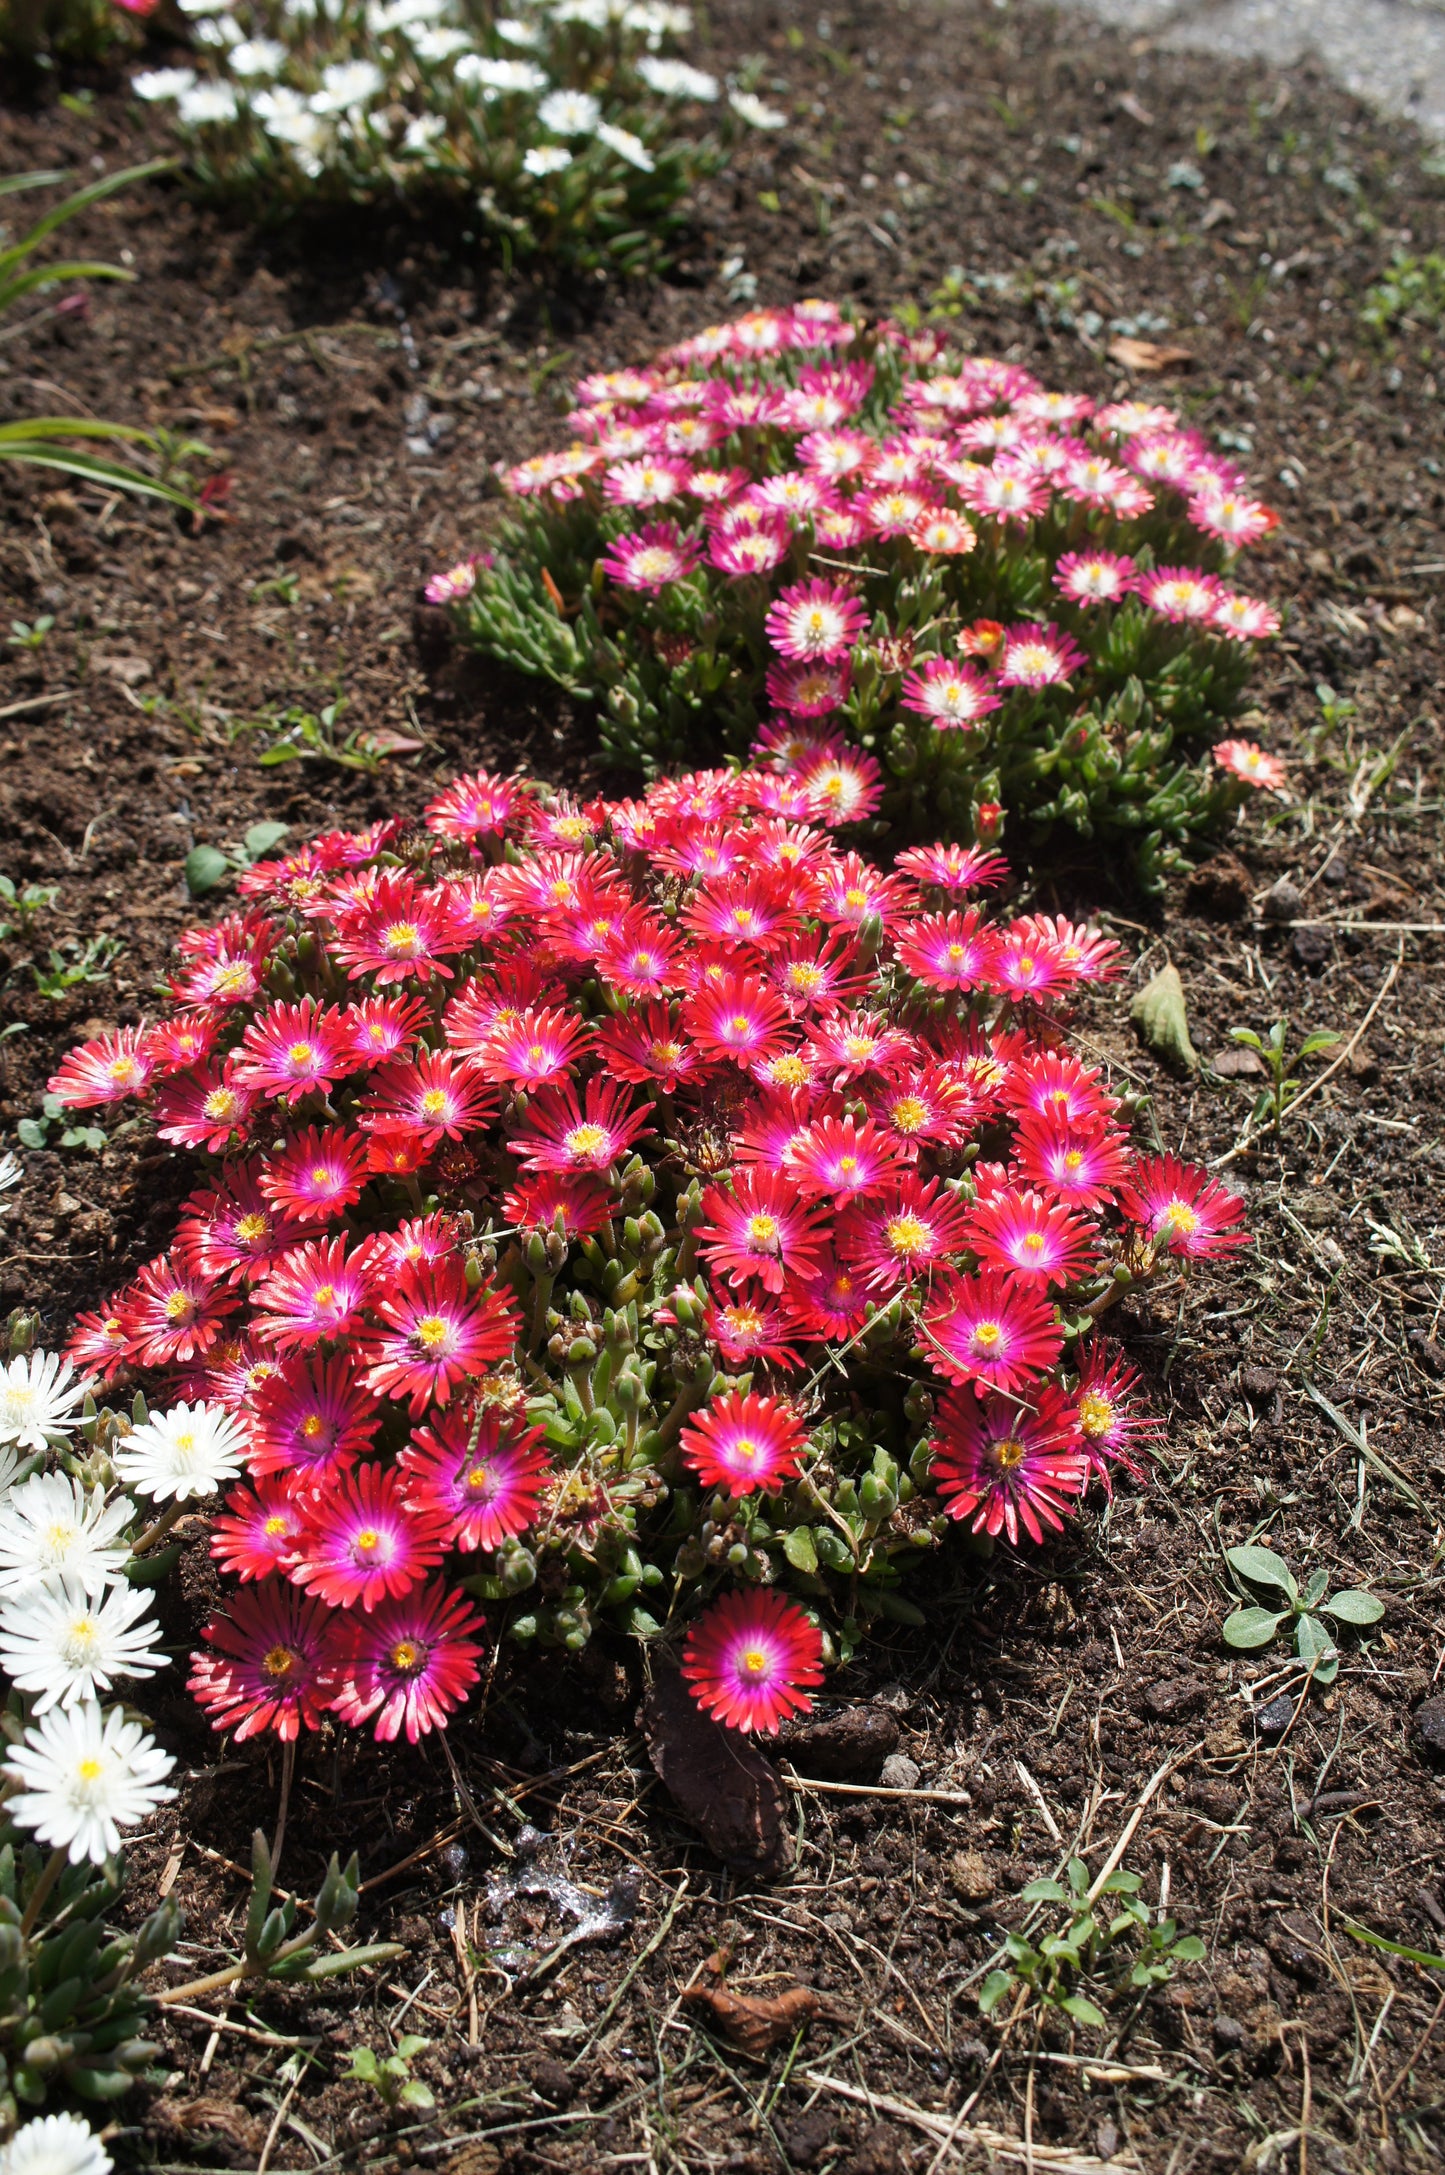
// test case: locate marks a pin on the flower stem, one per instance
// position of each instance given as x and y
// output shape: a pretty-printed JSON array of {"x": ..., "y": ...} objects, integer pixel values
[
  {"x": 55, "y": 1865},
  {"x": 160, "y": 1529}
]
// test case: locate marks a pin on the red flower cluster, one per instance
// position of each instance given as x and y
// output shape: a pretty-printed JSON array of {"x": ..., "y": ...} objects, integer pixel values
[{"x": 482, "y": 1096}]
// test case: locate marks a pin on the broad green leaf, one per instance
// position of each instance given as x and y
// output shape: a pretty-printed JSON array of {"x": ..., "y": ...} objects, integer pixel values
[
  {"x": 1122, "y": 1884},
  {"x": 1159, "y": 1013},
  {"x": 1247, "y": 1036},
  {"x": 993, "y": 1989},
  {"x": 262, "y": 837},
  {"x": 416, "y": 2094},
  {"x": 1323, "y": 1040},
  {"x": 1082, "y": 2011},
  {"x": 1353, "y": 1607},
  {"x": 1189, "y": 1949},
  {"x": 411, "y": 2043},
  {"x": 1252, "y": 1627},
  {"x": 799, "y": 1550},
  {"x": 1314, "y": 1646},
  {"x": 1043, "y": 1891},
  {"x": 1314, "y": 1591},
  {"x": 1262, "y": 1567},
  {"x": 205, "y": 867}
]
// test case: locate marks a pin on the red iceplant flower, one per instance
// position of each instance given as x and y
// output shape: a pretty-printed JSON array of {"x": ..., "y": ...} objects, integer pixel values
[
  {"x": 744, "y": 1442},
  {"x": 746, "y": 1331},
  {"x": 946, "y": 951},
  {"x": 840, "y": 1159},
  {"x": 409, "y": 1664},
  {"x": 479, "y": 1473},
  {"x": 293, "y": 1050},
  {"x": 738, "y": 1016},
  {"x": 761, "y": 1229},
  {"x": 753, "y": 1659},
  {"x": 953, "y": 696},
  {"x": 316, "y": 1174},
  {"x": 104, "y": 1071},
  {"x": 651, "y": 558},
  {"x": 260, "y": 1530},
  {"x": 230, "y": 1233},
  {"x": 1084, "y": 1166},
  {"x": 364, "y": 1542},
  {"x": 312, "y": 1418},
  {"x": 173, "y": 1312},
  {"x": 270, "y": 1664},
  {"x": 429, "y": 1097},
  {"x": 1112, "y": 1429},
  {"x": 438, "y": 1331},
  {"x": 316, "y": 1292},
  {"x": 1247, "y": 760},
  {"x": 565, "y": 1134},
  {"x": 1005, "y": 1467},
  {"x": 1036, "y": 656},
  {"x": 206, "y": 1108},
  {"x": 1182, "y": 1209},
  {"x": 907, "y": 1233},
  {"x": 815, "y": 619},
  {"x": 1039, "y": 1241},
  {"x": 992, "y": 1330}
]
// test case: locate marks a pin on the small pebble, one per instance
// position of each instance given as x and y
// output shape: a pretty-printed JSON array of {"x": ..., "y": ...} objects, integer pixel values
[{"x": 898, "y": 1772}]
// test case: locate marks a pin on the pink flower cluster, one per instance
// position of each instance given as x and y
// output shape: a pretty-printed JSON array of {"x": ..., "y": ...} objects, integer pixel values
[{"x": 432, "y": 1065}]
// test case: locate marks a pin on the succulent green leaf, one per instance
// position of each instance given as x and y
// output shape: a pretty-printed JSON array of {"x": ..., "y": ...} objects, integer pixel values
[{"x": 1160, "y": 1014}]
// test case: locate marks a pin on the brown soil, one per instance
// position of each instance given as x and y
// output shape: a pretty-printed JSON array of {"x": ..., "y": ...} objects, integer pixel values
[{"x": 1006, "y": 142}]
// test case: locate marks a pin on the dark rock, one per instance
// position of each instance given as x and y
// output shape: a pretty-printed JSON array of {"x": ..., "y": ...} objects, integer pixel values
[
  {"x": 1283, "y": 901},
  {"x": 1229, "y": 2033},
  {"x": 1362, "y": 1064},
  {"x": 880, "y": 2152},
  {"x": 1258, "y": 1383},
  {"x": 553, "y": 2081},
  {"x": 1336, "y": 870},
  {"x": 806, "y": 2140},
  {"x": 846, "y": 1746},
  {"x": 1312, "y": 944},
  {"x": 1428, "y": 1727},
  {"x": 1272, "y": 1719},
  {"x": 971, "y": 1876},
  {"x": 1106, "y": 2139},
  {"x": 1290, "y": 1941},
  {"x": 1239, "y": 1062},
  {"x": 1176, "y": 1697},
  {"x": 1220, "y": 887}
]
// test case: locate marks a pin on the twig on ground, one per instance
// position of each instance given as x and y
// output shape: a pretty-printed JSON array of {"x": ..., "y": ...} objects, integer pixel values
[
  {"x": 802, "y": 1783},
  {"x": 1155, "y": 1783},
  {"x": 1061, "y": 2158},
  {"x": 39, "y": 702}
]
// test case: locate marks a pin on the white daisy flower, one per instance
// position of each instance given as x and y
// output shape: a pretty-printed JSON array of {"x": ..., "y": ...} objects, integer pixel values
[
  {"x": 206, "y": 102},
  {"x": 258, "y": 57},
  {"x": 422, "y": 131},
  {"x": 38, "y": 1399},
  {"x": 501, "y": 75},
  {"x": 594, "y": 14},
  {"x": 656, "y": 21},
  {"x": 626, "y": 145},
  {"x": 203, "y": 7},
  {"x": 65, "y": 1648},
  {"x": 55, "y": 2145},
  {"x": 402, "y": 13},
  {"x": 569, "y": 113},
  {"x": 347, "y": 83},
  {"x": 11, "y": 1168},
  {"x": 545, "y": 158},
  {"x": 86, "y": 1775},
  {"x": 220, "y": 33},
  {"x": 675, "y": 79},
  {"x": 513, "y": 31},
  {"x": 157, "y": 83},
  {"x": 186, "y": 1452},
  {"x": 754, "y": 112},
  {"x": 52, "y": 1527},
  {"x": 439, "y": 44}
]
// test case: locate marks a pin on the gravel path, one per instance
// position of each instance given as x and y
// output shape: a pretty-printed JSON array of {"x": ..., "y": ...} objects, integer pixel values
[{"x": 1389, "y": 51}]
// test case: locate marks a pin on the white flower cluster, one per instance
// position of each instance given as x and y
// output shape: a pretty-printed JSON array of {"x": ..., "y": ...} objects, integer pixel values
[
  {"x": 71, "y": 1624},
  {"x": 398, "y": 89}
]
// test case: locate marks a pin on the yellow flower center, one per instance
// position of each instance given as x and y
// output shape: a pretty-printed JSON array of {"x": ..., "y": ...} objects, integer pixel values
[
  {"x": 179, "y": 1306},
  {"x": 1074, "y": 1160},
  {"x": 762, "y": 1230},
  {"x": 536, "y": 1055},
  {"x": 909, "y": 1113},
  {"x": 233, "y": 980},
  {"x": 324, "y": 1296},
  {"x": 907, "y": 1235},
  {"x": 1009, "y": 1453},
  {"x": 252, "y": 1226},
  {"x": 311, "y": 1426},
  {"x": 790, "y": 1071},
  {"x": 478, "y": 1479},
  {"x": 367, "y": 1541},
  {"x": 1180, "y": 1217},
  {"x": 1034, "y": 1244},
  {"x": 407, "y": 1656},
  {"x": 432, "y": 1332},
  {"x": 1096, "y": 1415},
  {"x": 221, "y": 1103},
  {"x": 301, "y": 1053},
  {"x": 753, "y": 1662},
  {"x": 274, "y": 1528},
  {"x": 90, "y": 1770},
  {"x": 401, "y": 940},
  {"x": 123, "y": 1071},
  {"x": 986, "y": 1337},
  {"x": 586, "y": 1140},
  {"x": 279, "y": 1662},
  {"x": 435, "y": 1103},
  {"x": 320, "y": 1175}
]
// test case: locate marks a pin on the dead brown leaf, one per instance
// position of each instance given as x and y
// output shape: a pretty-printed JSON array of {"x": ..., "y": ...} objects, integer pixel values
[
  {"x": 1146, "y": 356},
  {"x": 725, "y": 1787},
  {"x": 191, "y": 2115},
  {"x": 757, "y": 2022}
]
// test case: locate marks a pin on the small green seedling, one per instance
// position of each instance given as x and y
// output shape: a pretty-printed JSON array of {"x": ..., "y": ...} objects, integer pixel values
[
  {"x": 25, "y": 901},
  {"x": 390, "y": 2075},
  {"x": 1283, "y": 1087},
  {"x": 1090, "y": 1947},
  {"x": 72, "y": 963},
  {"x": 207, "y": 866},
  {"x": 35, "y": 1132},
  {"x": 299, "y": 736},
  {"x": 1253, "y": 1626},
  {"x": 29, "y": 634}
]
